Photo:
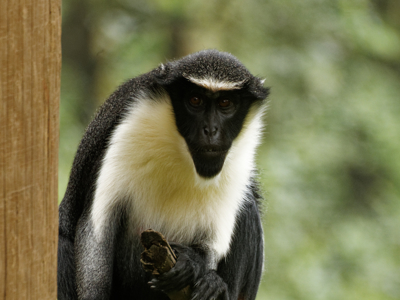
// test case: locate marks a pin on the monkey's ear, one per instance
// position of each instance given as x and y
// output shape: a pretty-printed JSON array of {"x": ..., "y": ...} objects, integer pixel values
[
  {"x": 164, "y": 75},
  {"x": 256, "y": 89}
]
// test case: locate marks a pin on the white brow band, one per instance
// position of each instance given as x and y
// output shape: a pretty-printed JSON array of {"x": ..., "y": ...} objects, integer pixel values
[{"x": 216, "y": 85}]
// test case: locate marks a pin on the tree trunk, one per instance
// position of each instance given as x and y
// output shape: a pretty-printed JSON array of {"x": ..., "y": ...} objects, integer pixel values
[{"x": 30, "y": 64}]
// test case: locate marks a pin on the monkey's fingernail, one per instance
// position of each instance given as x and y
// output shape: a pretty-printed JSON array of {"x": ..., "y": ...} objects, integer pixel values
[{"x": 153, "y": 287}]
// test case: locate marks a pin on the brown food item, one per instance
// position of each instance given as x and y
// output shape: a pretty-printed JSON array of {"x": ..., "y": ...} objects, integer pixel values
[{"x": 158, "y": 258}]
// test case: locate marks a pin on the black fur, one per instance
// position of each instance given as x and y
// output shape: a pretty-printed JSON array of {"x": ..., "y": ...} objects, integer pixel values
[{"x": 109, "y": 268}]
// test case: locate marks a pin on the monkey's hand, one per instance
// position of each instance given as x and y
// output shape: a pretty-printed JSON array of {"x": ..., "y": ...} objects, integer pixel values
[
  {"x": 210, "y": 286},
  {"x": 189, "y": 267}
]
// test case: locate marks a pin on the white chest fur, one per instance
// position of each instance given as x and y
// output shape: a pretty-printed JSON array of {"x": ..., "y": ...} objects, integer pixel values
[{"x": 149, "y": 169}]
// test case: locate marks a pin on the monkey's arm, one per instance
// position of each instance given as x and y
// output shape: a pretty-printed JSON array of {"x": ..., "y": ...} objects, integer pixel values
[
  {"x": 242, "y": 268},
  {"x": 84, "y": 173},
  {"x": 94, "y": 259}
]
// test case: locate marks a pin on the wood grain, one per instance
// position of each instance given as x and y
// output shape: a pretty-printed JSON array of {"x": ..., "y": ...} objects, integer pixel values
[{"x": 30, "y": 64}]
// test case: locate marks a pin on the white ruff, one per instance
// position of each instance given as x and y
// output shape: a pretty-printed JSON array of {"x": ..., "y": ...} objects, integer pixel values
[{"x": 148, "y": 169}]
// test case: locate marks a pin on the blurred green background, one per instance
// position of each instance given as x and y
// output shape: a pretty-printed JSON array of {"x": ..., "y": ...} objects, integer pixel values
[{"x": 330, "y": 160}]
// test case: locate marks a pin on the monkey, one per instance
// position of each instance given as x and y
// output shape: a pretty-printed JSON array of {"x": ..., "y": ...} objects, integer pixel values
[{"x": 172, "y": 150}]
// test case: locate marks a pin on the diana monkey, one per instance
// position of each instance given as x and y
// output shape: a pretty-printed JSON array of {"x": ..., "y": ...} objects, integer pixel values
[{"x": 172, "y": 150}]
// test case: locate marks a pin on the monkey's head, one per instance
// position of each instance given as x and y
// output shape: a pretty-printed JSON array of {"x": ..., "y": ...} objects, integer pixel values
[{"x": 211, "y": 94}]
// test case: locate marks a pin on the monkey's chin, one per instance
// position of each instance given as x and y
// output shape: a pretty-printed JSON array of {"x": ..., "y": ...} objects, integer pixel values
[{"x": 209, "y": 164}]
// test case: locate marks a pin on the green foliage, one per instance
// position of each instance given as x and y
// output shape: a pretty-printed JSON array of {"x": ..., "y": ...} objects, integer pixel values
[{"x": 330, "y": 162}]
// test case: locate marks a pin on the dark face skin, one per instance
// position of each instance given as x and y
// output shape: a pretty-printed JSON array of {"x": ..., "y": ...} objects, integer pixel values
[{"x": 209, "y": 122}]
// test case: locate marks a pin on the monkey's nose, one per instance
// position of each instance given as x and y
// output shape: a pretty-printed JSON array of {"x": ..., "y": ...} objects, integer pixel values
[{"x": 210, "y": 132}]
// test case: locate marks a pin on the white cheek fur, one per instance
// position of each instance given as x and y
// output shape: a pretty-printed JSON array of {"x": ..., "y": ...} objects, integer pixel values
[{"x": 148, "y": 169}]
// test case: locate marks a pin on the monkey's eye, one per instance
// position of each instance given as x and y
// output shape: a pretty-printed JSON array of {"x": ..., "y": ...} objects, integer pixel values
[
  {"x": 195, "y": 101},
  {"x": 224, "y": 103}
]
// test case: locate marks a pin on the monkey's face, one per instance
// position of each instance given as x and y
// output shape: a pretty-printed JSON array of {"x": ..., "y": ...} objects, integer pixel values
[{"x": 209, "y": 122}]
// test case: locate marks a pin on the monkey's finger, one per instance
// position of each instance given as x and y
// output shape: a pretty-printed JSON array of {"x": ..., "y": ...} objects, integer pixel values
[
  {"x": 201, "y": 290},
  {"x": 176, "y": 282},
  {"x": 219, "y": 293}
]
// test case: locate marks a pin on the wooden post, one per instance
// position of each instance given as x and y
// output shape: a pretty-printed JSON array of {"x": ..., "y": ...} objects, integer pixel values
[{"x": 30, "y": 63}]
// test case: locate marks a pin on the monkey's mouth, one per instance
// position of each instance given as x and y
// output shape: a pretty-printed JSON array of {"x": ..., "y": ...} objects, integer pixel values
[
  {"x": 208, "y": 160},
  {"x": 209, "y": 152}
]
